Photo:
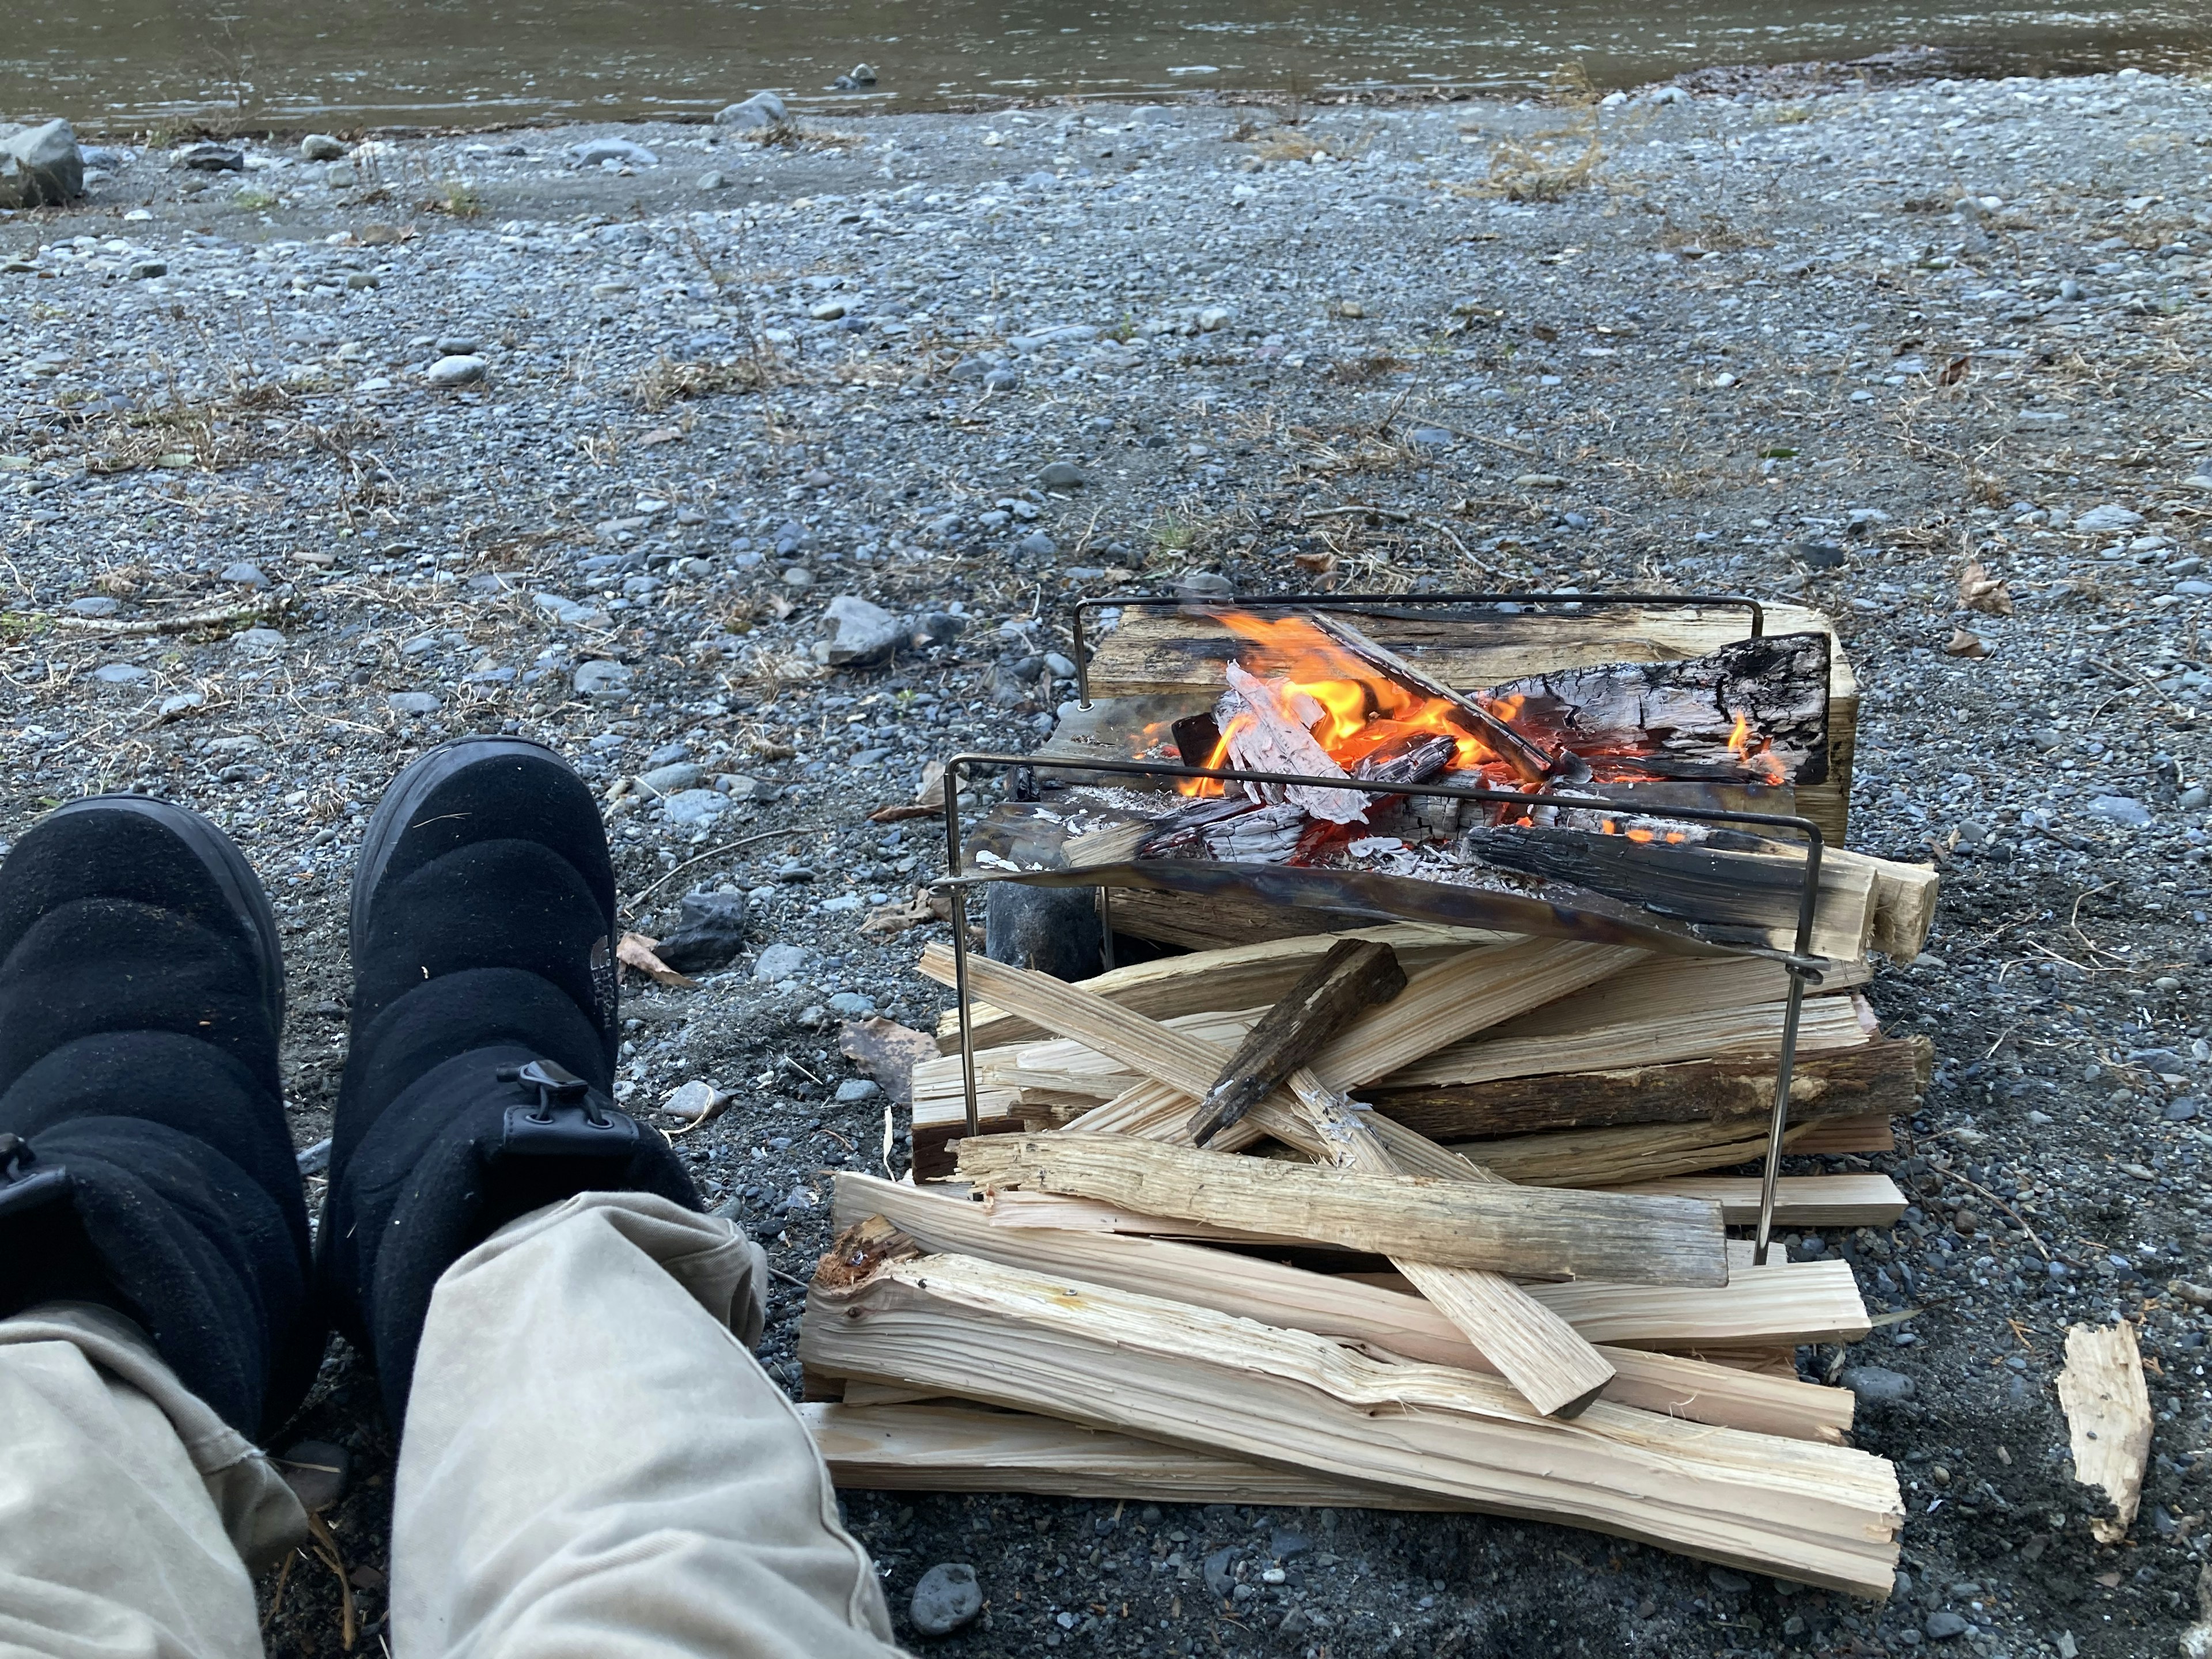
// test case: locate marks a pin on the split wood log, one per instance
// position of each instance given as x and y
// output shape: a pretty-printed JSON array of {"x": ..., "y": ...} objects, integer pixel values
[
  {"x": 1265, "y": 737},
  {"x": 1820, "y": 1202},
  {"x": 1825, "y": 1515},
  {"x": 1826, "y": 1023},
  {"x": 1395, "y": 1320},
  {"x": 943, "y": 1447},
  {"x": 1208, "y": 981},
  {"x": 1871, "y": 1133},
  {"x": 1884, "y": 1077},
  {"x": 1818, "y": 1303},
  {"x": 1683, "y": 719},
  {"x": 1355, "y": 976},
  {"x": 1634, "y": 1152},
  {"x": 2108, "y": 1419},
  {"x": 1529, "y": 1233}
]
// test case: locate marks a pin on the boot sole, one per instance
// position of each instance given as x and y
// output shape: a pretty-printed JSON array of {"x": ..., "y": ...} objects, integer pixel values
[
  {"x": 395, "y": 813},
  {"x": 241, "y": 888}
]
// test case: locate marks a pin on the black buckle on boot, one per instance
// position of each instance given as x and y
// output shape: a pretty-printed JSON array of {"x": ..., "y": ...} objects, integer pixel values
[
  {"x": 566, "y": 1122},
  {"x": 25, "y": 1183}
]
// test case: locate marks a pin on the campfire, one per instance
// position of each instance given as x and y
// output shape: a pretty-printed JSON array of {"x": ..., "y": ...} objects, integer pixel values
[{"x": 1400, "y": 1188}]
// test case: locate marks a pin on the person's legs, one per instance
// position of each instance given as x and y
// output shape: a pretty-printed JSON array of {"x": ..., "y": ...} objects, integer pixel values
[
  {"x": 596, "y": 1465},
  {"x": 590, "y": 1459},
  {"x": 152, "y": 1242}
]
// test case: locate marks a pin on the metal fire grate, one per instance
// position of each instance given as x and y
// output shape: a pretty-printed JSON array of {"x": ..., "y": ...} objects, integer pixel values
[{"x": 1801, "y": 966}]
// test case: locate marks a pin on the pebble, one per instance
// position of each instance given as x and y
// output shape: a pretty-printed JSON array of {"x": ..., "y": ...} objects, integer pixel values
[
  {"x": 122, "y": 673},
  {"x": 1943, "y": 1625},
  {"x": 671, "y": 780},
  {"x": 1038, "y": 544},
  {"x": 865, "y": 633},
  {"x": 782, "y": 962},
  {"x": 2121, "y": 809},
  {"x": 1431, "y": 437},
  {"x": 182, "y": 702},
  {"x": 945, "y": 1598},
  {"x": 460, "y": 370},
  {"x": 713, "y": 179},
  {"x": 257, "y": 642},
  {"x": 244, "y": 575},
  {"x": 598, "y": 152},
  {"x": 1879, "y": 1384},
  {"x": 211, "y": 158},
  {"x": 695, "y": 806},
  {"x": 94, "y": 604},
  {"x": 1061, "y": 475},
  {"x": 39, "y": 166},
  {"x": 321, "y": 147},
  {"x": 602, "y": 679},
  {"x": 763, "y": 109},
  {"x": 711, "y": 933},
  {"x": 413, "y": 702},
  {"x": 2100, "y": 521},
  {"x": 852, "y": 1004},
  {"x": 856, "y": 1091}
]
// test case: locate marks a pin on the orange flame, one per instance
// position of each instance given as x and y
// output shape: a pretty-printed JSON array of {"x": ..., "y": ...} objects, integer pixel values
[{"x": 1753, "y": 752}]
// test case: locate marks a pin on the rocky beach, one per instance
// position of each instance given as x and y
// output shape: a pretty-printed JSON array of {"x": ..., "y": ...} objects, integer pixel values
[{"x": 757, "y": 464}]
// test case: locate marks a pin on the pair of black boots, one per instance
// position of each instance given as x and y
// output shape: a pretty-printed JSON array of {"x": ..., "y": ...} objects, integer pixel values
[{"x": 145, "y": 1163}]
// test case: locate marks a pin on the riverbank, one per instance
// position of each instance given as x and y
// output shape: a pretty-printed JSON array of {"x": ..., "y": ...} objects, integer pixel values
[{"x": 579, "y": 431}]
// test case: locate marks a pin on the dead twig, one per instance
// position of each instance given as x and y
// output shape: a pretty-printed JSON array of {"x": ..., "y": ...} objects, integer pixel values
[{"x": 182, "y": 622}]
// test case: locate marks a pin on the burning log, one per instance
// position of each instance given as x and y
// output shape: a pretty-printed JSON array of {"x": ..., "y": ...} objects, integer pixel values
[{"x": 1269, "y": 728}]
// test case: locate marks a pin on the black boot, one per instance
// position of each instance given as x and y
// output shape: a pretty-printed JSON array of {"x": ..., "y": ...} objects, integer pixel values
[
  {"x": 144, "y": 1160},
  {"x": 485, "y": 1034}
]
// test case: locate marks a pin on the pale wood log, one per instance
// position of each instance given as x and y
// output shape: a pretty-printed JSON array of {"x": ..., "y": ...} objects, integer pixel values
[
  {"x": 1396, "y": 1320},
  {"x": 1636, "y": 1151},
  {"x": 1662, "y": 986},
  {"x": 972, "y": 1449},
  {"x": 1263, "y": 738},
  {"x": 1826, "y": 1023},
  {"x": 1528, "y": 1232},
  {"x": 1904, "y": 907},
  {"x": 1878, "y": 1079},
  {"x": 1873, "y": 1132},
  {"x": 2108, "y": 1419},
  {"x": 1208, "y": 981},
  {"x": 1816, "y": 1201},
  {"x": 1821, "y": 1514}
]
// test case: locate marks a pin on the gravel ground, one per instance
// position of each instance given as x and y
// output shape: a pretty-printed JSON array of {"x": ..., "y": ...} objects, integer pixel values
[{"x": 1784, "y": 333}]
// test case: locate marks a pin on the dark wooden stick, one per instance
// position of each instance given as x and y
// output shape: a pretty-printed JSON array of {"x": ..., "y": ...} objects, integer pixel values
[
  {"x": 1531, "y": 762},
  {"x": 1354, "y": 975}
]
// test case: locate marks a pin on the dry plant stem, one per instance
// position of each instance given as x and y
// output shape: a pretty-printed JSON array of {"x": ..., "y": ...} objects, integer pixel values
[
  {"x": 327, "y": 1545},
  {"x": 182, "y": 622}
]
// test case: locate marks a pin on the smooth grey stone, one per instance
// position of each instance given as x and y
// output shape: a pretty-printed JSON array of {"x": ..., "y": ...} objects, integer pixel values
[
  {"x": 851, "y": 1004},
  {"x": 1038, "y": 544},
  {"x": 1943, "y": 1625},
  {"x": 712, "y": 180},
  {"x": 1152, "y": 115},
  {"x": 1001, "y": 379},
  {"x": 738, "y": 787},
  {"x": 40, "y": 166},
  {"x": 1431, "y": 437},
  {"x": 122, "y": 673},
  {"x": 144, "y": 271},
  {"x": 596, "y": 152},
  {"x": 695, "y": 806},
  {"x": 2110, "y": 516},
  {"x": 602, "y": 678},
  {"x": 212, "y": 158},
  {"x": 865, "y": 633},
  {"x": 667, "y": 755},
  {"x": 1054, "y": 930},
  {"x": 316, "y": 1470},
  {"x": 1219, "y": 1576},
  {"x": 321, "y": 147},
  {"x": 672, "y": 778},
  {"x": 461, "y": 369},
  {"x": 935, "y": 628},
  {"x": 782, "y": 962},
  {"x": 1061, "y": 475},
  {"x": 2183, "y": 1110},
  {"x": 245, "y": 575},
  {"x": 1728, "y": 1584},
  {"x": 263, "y": 642},
  {"x": 94, "y": 604},
  {"x": 1283, "y": 1546},
  {"x": 1210, "y": 585},
  {"x": 946, "y": 1598},
  {"x": 856, "y": 1090},
  {"x": 413, "y": 702},
  {"x": 313, "y": 1160},
  {"x": 2121, "y": 809},
  {"x": 181, "y": 703},
  {"x": 1879, "y": 1384},
  {"x": 458, "y": 345},
  {"x": 763, "y": 109},
  {"x": 2193, "y": 797}
]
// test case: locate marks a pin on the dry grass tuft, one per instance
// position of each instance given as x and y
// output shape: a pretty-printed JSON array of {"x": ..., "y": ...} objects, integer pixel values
[
  {"x": 1547, "y": 168},
  {"x": 664, "y": 381}
]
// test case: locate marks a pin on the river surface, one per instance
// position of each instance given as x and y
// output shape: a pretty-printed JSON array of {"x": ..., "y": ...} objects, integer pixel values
[{"x": 108, "y": 63}]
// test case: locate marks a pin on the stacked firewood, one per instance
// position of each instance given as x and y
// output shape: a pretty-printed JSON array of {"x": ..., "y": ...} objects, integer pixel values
[{"x": 1396, "y": 1217}]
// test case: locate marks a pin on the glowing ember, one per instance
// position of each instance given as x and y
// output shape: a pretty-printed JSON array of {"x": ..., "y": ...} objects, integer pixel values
[{"x": 1753, "y": 752}]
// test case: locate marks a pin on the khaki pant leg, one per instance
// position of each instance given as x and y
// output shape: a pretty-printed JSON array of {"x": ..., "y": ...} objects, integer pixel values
[
  {"x": 594, "y": 1464},
  {"x": 129, "y": 1512}
]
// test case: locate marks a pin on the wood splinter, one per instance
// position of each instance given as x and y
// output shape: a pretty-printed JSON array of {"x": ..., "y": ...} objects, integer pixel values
[{"x": 1353, "y": 976}]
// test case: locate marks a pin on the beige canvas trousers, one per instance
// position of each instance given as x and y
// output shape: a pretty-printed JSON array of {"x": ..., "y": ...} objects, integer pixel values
[{"x": 593, "y": 1464}]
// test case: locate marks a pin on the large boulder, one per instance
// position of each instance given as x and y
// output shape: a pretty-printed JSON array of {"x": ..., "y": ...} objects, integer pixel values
[
  {"x": 763, "y": 109},
  {"x": 40, "y": 166}
]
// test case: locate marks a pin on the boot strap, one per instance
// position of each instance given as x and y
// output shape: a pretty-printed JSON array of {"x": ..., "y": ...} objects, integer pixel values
[
  {"x": 26, "y": 1184},
  {"x": 565, "y": 1121}
]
